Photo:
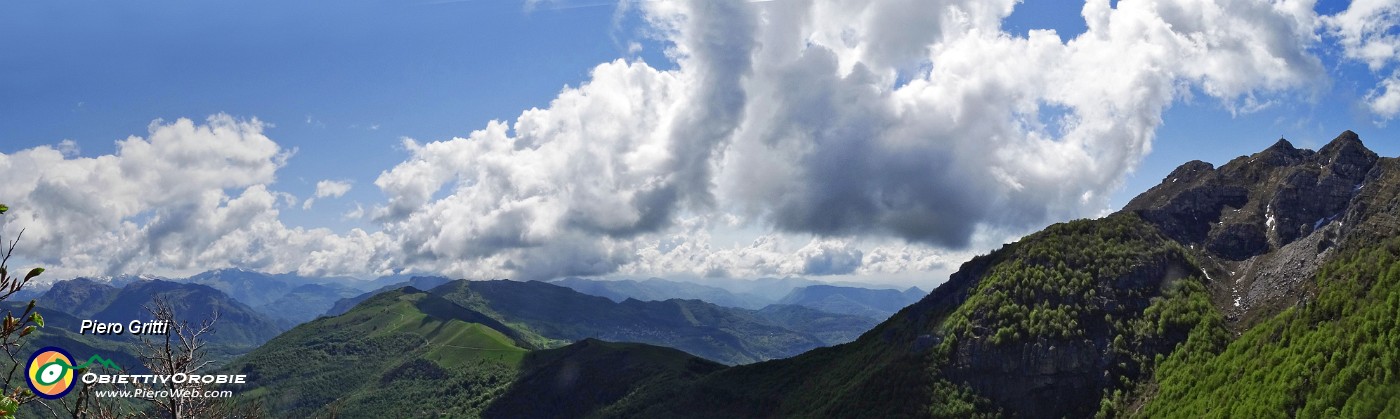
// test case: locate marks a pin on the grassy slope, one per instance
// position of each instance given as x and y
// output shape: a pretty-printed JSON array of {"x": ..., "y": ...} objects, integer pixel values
[
  {"x": 1335, "y": 356},
  {"x": 427, "y": 351}
]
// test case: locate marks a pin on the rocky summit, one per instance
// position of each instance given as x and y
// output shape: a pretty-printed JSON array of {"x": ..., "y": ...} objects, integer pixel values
[{"x": 1263, "y": 223}]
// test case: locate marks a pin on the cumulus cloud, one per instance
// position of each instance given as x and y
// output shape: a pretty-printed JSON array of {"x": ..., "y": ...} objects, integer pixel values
[
  {"x": 187, "y": 197},
  {"x": 845, "y": 137},
  {"x": 835, "y": 120},
  {"x": 1366, "y": 31},
  {"x": 328, "y": 189}
]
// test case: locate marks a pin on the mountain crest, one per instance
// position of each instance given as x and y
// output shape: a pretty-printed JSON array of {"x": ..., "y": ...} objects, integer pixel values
[
  {"x": 1347, "y": 156},
  {"x": 1283, "y": 145},
  {"x": 1267, "y": 220}
]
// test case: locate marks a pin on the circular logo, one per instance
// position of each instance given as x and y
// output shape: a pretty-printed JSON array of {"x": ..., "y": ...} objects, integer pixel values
[{"x": 50, "y": 373}]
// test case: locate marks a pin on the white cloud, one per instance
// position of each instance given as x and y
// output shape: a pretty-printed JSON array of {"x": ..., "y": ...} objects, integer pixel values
[
  {"x": 847, "y": 137},
  {"x": 1367, "y": 33},
  {"x": 328, "y": 189},
  {"x": 187, "y": 197},
  {"x": 812, "y": 135},
  {"x": 355, "y": 214}
]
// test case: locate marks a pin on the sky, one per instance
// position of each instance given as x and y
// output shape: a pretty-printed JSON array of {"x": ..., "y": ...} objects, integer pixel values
[{"x": 847, "y": 140}]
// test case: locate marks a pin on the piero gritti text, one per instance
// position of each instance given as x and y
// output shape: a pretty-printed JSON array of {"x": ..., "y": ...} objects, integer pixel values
[{"x": 135, "y": 327}]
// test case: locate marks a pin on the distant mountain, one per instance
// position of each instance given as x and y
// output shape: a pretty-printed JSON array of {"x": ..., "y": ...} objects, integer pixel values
[
  {"x": 237, "y": 325},
  {"x": 306, "y": 302},
  {"x": 35, "y": 289},
  {"x": 400, "y": 353},
  {"x": 769, "y": 289},
  {"x": 253, "y": 288},
  {"x": 420, "y": 282},
  {"x": 81, "y": 297},
  {"x": 28, "y": 293},
  {"x": 387, "y": 280},
  {"x": 723, "y": 334},
  {"x": 287, "y": 298},
  {"x": 830, "y": 328},
  {"x": 876, "y": 304},
  {"x": 657, "y": 289}
]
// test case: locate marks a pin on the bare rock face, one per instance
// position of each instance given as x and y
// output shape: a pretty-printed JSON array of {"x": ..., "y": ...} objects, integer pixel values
[{"x": 1266, "y": 221}]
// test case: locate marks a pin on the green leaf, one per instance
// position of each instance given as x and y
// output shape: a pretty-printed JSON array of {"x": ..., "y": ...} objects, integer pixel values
[
  {"x": 3, "y": 208},
  {"x": 26, "y": 331},
  {"x": 33, "y": 273},
  {"x": 37, "y": 319},
  {"x": 8, "y": 407}
]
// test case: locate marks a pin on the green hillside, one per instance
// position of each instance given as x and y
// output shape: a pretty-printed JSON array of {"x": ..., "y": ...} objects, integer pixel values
[
  {"x": 579, "y": 379},
  {"x": 402, "y": 353},
  {"x": 1335, "y": 356},
  {"x": 1029, "y": 329}
]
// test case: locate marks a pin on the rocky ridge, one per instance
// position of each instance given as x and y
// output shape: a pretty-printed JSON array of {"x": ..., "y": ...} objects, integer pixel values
[{"x": 1262, "y": 224}]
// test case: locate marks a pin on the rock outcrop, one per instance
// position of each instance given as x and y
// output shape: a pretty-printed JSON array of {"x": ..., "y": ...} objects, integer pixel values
[{"x": 1263, "y": 223}]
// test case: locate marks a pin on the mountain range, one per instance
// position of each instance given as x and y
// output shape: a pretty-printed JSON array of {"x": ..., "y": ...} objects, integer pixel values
[
  {"x": 239, "y": 325},
  {"x": 1266, "y": 287},
  {"x": 874, "y": 303},
  {"x": 1133, "y": 314},
  {"x": 1269, "y": 286},
  {"x": 657, "y": 289},
  {"x": 722, "y": 334}
]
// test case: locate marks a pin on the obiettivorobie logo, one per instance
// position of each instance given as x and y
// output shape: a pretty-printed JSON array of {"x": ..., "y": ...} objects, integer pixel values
[
  {"x": 50, "y": 371},
  {"x": 51, "y": 375}
]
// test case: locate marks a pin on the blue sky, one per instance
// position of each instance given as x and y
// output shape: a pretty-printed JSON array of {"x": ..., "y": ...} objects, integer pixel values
[
  {"x": 344, "y": 83},
  {"x": 341, "y": 83}
]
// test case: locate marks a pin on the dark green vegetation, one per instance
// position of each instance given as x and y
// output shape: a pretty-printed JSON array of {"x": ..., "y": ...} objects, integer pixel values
[
  {"x": 1336, "y": 356},
  {"x": 828, "y": 327},
  {"x": 400, "y": 353},
  {"x": 591, "y": 376},
  {"x": 1111, "y": 293}
]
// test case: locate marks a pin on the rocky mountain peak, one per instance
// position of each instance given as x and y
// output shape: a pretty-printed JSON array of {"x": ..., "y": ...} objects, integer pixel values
[
  {"x": 1191, "y": 171},
  {"x": 1347, "y": 157},
  {"x": 1283, "y": 146},
  {"x": 1256, "y": 214},
  {"x": 1345, "y": 139}
]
